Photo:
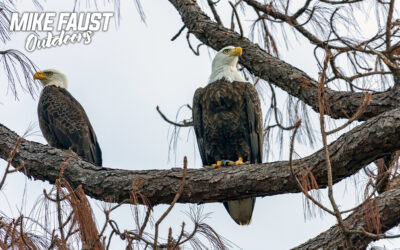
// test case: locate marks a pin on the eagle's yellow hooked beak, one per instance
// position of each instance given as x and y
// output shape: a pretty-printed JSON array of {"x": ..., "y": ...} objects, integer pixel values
[
  {"x": 39, "y": 76},
  {"x": 237, "y": 51}
]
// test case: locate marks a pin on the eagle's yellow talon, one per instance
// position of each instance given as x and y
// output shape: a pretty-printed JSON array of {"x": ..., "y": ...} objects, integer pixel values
[
  {"x": 217, "y": 165},
  {"x": 240, "y": 162},
  {"x": 228, "y": 163}
]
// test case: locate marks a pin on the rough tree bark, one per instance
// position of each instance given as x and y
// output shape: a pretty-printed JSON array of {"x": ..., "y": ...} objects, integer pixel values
[
  {"x": 389, "y": 213},
  {"x": 352, "y": 151}
]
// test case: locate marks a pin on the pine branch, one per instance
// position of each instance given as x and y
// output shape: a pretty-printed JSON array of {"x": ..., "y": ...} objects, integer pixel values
[
  {"x": 387, "y": 205},
  {"x": 354, "y": 150}
]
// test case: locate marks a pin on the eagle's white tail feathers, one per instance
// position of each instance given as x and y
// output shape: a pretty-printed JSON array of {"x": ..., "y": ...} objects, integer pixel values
[{"x": 241, "y": 210}]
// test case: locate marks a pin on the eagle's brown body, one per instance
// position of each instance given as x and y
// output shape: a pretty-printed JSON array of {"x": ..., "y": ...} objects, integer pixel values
[
  {"x": 65, "y": 125},
  {"x": 228, "y": 124}
]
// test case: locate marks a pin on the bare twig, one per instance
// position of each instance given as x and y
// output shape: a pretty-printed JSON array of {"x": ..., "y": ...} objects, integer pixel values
[
  {"x": 178, "y": 194},
  {"x": 321, "y": 101},
  {"x": 183, "y": 124},
  {"x": 237, "y": 17},
  {"x": 9, "y": 160},
  {"x": 214, "y": 11},
  {"x": 179, "y": 33}
]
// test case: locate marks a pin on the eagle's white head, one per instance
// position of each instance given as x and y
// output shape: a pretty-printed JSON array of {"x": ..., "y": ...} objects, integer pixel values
[
  {"x": 51, "y": 77},
  {"x": 224, "y": 65}
]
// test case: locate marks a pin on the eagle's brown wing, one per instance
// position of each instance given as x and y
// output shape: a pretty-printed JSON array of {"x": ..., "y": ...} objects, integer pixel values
[
  {"x": 64, "y": 124},
  {"x": 254, "y": 120},
  {"x": 198, "y": 124}
]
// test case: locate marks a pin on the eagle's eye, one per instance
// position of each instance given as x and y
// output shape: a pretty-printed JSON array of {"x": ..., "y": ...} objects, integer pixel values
[
  {"x": 226, "y": 51},
  {"x": 49, "y": 73}
]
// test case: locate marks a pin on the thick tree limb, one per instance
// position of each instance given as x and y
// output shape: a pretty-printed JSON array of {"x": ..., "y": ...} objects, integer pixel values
[
  {"x": 364, "y": 144},
  {"x": 342, "y": 104},
  {"x": 388, "y": 206}
]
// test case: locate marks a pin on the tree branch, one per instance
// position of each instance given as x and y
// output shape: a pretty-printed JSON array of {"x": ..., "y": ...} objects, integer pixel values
[
  {"x": 355, "y": 149},
  {"x": 342, "y": 104},
  {"x": 389, "y": 214}
]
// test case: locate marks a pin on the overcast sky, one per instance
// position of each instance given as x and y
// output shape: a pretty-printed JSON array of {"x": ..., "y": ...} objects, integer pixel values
[{"x": 119, "y": 79}]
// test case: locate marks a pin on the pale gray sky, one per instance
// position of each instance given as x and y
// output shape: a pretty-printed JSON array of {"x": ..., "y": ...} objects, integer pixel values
[{"x": 119, "y": 79}]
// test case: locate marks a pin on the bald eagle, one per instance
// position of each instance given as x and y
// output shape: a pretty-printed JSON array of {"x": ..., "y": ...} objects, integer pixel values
[
  {"x": 227, "y": 120},
  {"x": 63, "y": 120}
]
